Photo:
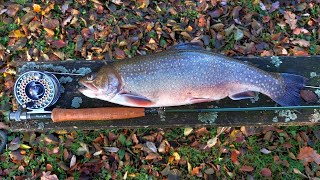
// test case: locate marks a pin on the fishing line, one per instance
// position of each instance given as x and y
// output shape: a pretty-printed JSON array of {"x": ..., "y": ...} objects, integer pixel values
[
  {"x": 71, "y": 74},
  {"x": 313, "y": 87},
  {"x": 266, "y": 108}
]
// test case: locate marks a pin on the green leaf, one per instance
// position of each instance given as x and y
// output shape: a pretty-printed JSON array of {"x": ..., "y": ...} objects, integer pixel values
[
  {"x": 121, "y": 153},
  {"x": 122, "y": 139}
]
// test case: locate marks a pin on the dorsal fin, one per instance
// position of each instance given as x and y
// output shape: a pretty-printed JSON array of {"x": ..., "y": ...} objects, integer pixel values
[{"x": 187, "y": 46}]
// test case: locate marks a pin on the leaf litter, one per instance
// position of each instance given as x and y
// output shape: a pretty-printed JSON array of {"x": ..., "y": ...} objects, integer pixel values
[{"x": 120, "y": 29}]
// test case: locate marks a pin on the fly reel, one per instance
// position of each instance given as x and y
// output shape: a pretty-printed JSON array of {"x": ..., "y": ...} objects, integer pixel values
[{"x": 37, "y": 90}]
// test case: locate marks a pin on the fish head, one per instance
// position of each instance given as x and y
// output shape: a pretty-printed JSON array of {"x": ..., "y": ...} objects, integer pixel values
[{"x": 99, "y": 85}]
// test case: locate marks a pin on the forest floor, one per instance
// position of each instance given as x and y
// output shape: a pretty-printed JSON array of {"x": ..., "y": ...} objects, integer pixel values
[{"x": 118, "y": 29}]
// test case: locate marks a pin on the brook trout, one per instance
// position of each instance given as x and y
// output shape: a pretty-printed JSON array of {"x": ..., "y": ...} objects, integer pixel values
[{"x": 187, "y": 74}]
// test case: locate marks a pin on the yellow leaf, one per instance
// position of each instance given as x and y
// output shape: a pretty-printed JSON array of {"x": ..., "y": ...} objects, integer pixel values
[
  {"x": 189, "y": 167},
  {"x": 176, "y": 156},
  {"x": 18, "y": 34},
  {"x": 23, "y": 146},
  {"x": 187, "y": 131},
  {"x": 49, "y": 31},
  {"x": 49, "y": 8},
  {"x": 61, "y": 132},
  {"x": 36, "y": 8},
  {"x": 255, "y": 2}
]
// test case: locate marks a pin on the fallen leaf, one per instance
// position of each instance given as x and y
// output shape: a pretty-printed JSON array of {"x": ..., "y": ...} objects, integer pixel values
[
  {"x": 12, "y": 9},
  {"x": 36, "y": 8},
  {"x": 152, "y": 156},
  {"x": 246, "y": 168},
  {"x": 297, "y": 171},
  {"x": 3, "y": 126},
  {"x": 290, "y": 19},
  {"x": 59, "y": 44},
  {"x": 238, "y": 34},
  {"x": 301, "y": 42},
  {"x": 234, "y": 156},
  {"x": 18, "y": 34},
  {"x": 202, "y": 21},
  {"x": 151, "y": 146},
  {"x": 274, "y": 6},
  {"x": 111, "y": 149},
  {"x": 265, "y": 151},
  {"x": 49, "y": 32},
  {"x": 119, "y": 53},
  {"x": 201, "y": 132},
  {"x": 187, "y": 131},
  {"x": 47, "y": 176},
  {"x": 176, "y": 156},
  {"x": 195, "y": 171},
  {"x": 266, "y": 172},
  {"x": 212, "y": 142},
  {"x": 307, "y": 154}
]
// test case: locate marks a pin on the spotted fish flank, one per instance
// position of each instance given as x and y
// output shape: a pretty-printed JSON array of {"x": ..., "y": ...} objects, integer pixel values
[{"x": 187, "y": 74}]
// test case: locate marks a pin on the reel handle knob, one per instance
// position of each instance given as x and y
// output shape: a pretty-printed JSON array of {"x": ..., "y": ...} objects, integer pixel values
[{"x": 96, "y": 114}]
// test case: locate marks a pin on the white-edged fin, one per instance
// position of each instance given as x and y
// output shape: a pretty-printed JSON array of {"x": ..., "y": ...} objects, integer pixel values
[
  {"x": 136, "y": 100},
  {"x": 243, "y": 95}
]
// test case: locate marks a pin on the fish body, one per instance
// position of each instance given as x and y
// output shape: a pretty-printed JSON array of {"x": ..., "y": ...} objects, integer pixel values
[{"x": 186, "y": 75}]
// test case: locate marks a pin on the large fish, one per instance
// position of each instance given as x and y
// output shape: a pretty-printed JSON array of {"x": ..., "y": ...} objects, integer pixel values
[{"x": 187, "y": 74}]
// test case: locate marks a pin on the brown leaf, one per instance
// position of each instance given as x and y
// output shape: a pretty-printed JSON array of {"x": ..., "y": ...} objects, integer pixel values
[
  {"x": 12, "y": 9},
  {"x": 301, "y": 42},
  {"x": 201, "y": 132},
  {"x": 301, "y": 53},
  {"x": 34, "y": 25},
  {"x": 266, "y": 172},
  {"x": 290, "y": 19},
  {"x": 119, "y": 53},
  {"x": 50, "y": 32},
  {"x": 152, "y": 156},
  {"x": 27, "y": 17},
  {"x": 86, "y": 33},
  {"x": 234, "y": 156},
  {"x": 246, "y": 168},
  {"x": 216, "y": 13},
  {"x": 202, "y": 21},
  {"x": 59, "y": 44},
  {"x": 50, "y": 23},
  {"x": 19, "y": 44},
  {"x": 307, "y": 154}
]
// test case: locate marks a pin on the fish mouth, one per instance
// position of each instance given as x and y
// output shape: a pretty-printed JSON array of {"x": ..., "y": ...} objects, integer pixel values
[{"x": 88, "y": 86}]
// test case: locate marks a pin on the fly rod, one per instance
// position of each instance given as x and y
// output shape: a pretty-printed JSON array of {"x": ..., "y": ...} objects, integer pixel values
[{"x": 118, "y": 113}]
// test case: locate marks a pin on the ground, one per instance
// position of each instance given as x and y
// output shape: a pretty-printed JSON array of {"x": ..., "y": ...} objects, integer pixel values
[{"x": 117, "y": 29}]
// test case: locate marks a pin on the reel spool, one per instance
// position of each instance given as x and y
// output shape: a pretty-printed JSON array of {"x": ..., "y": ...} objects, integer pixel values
[{"x": 37, "y": 90}]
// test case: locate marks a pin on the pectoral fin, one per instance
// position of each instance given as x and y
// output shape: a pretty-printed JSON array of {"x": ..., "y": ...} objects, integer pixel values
[
  {"x": 243, "y": 95},
  {"x": 136, "y": 100}
]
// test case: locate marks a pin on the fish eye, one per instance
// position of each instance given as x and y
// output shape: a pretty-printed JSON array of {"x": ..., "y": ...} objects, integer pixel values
[{"x": 90, "y": 77}]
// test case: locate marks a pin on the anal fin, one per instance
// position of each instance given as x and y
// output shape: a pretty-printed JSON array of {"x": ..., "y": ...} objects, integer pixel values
[{"x": 243, "y": 95}]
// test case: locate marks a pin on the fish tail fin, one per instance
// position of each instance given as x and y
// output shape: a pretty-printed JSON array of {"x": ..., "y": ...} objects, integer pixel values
[{"x": 291, "y": 92}]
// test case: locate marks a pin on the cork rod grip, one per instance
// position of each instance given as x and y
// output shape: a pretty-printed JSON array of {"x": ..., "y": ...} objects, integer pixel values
[{"x": 95, "y": 114}]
